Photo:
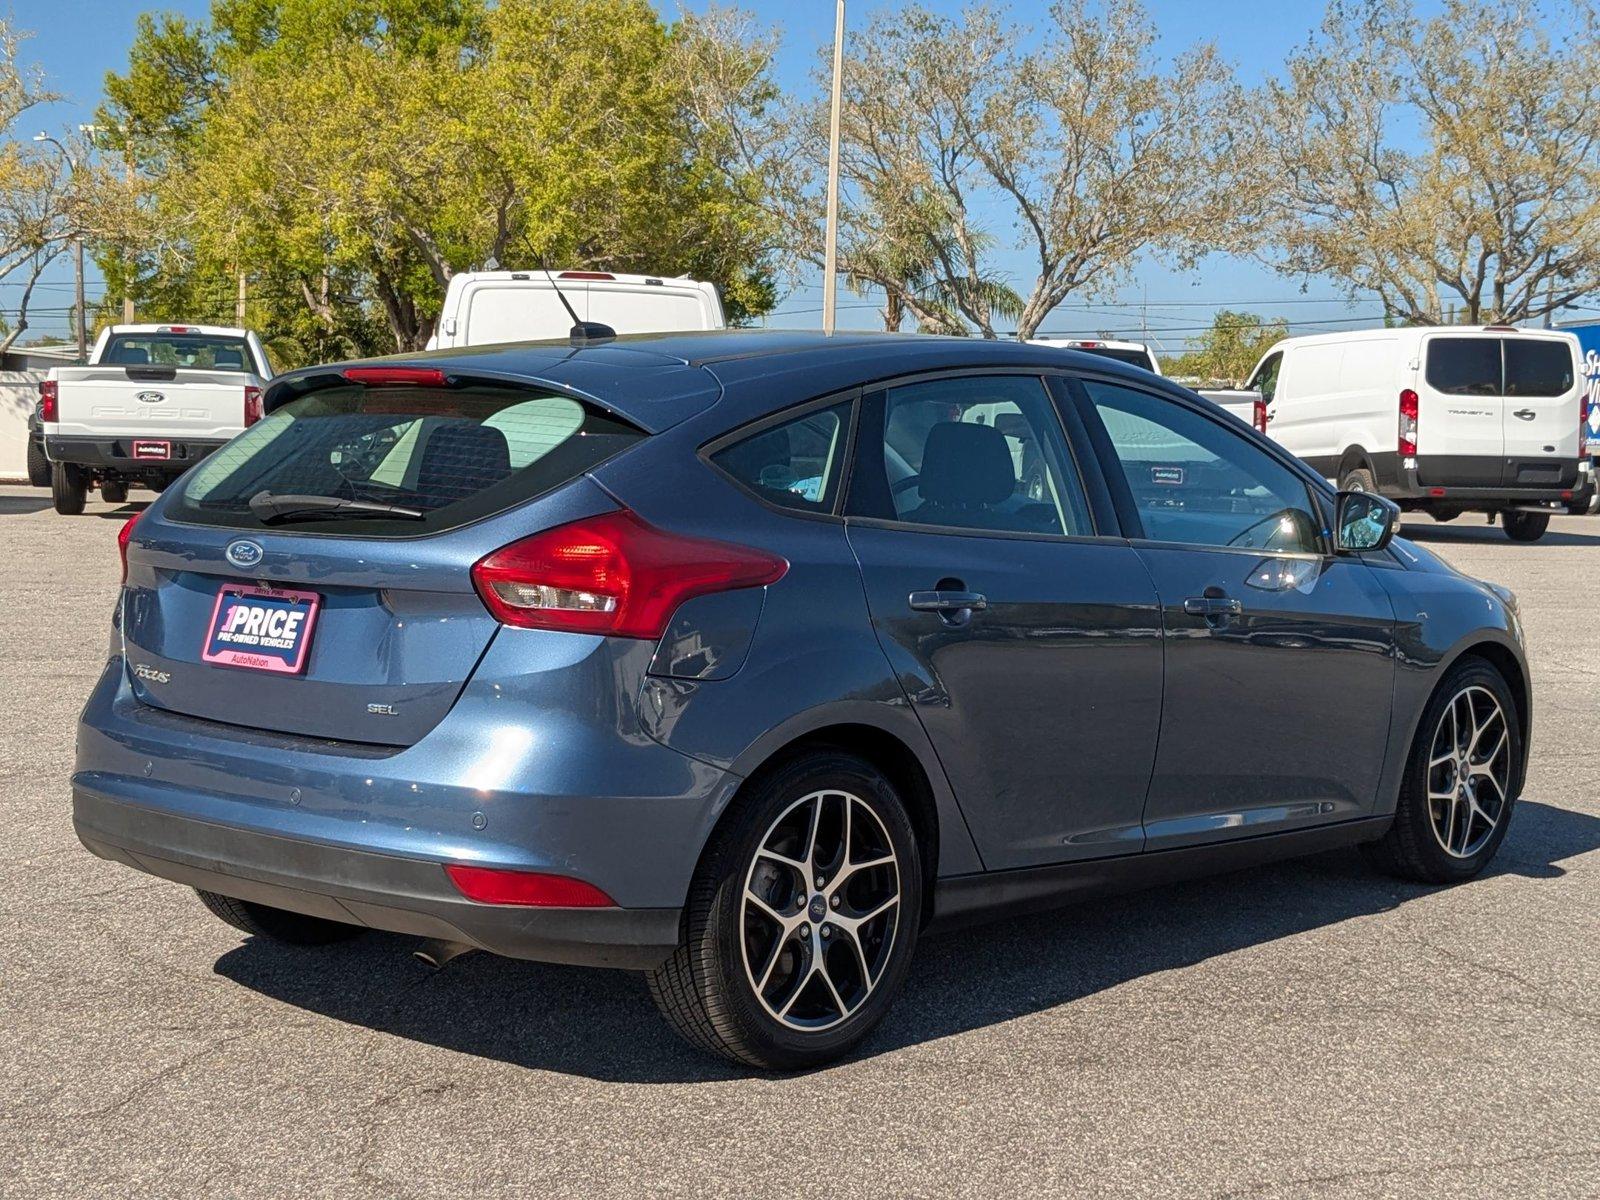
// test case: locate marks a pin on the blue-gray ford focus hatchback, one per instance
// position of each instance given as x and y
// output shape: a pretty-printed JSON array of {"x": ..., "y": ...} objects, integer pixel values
[{"x": 743, "y": 659}]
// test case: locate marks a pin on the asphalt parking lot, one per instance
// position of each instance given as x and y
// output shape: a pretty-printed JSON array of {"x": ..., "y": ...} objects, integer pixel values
[{"x": 1309, "y": 1029}]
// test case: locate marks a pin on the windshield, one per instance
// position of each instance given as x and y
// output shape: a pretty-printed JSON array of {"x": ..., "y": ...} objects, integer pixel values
[
  {"x": 1134, "y": 358},
  {"x": 196, "y": 351},
  {"x": 445, "y": 456}
]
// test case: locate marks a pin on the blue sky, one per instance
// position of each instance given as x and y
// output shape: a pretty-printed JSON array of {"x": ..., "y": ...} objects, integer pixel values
[{"x": 78, "y": 41}]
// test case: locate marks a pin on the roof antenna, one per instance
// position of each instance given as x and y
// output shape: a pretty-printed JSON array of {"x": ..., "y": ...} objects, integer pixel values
[{"x": 583, "y": 333}]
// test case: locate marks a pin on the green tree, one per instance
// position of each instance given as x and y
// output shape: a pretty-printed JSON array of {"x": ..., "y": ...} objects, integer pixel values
[
  {"x": 349, "y": 156},
  {"x": 1233, "y": 345}
]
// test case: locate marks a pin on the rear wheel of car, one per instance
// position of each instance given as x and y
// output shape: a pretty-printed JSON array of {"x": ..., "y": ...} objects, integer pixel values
[
  {"x": 277, "y": 924},
  {"x": 1525, "y": 526},
  {"x": 801, "y": 921},
  {"x": 68, "y": 489},
  {"x": 114, "y": 493},
  {"x": 38, "y": 465},
  {"x": 1359, "y": 480},
  {"x": 1459, "y": 788}
]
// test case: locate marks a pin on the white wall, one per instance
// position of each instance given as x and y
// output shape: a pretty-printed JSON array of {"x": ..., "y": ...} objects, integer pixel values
[{"x": 19, "y": 391}]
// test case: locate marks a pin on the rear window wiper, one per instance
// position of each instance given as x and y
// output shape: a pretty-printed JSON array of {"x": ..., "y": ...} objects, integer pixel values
[{"x": 270, "y": 509}]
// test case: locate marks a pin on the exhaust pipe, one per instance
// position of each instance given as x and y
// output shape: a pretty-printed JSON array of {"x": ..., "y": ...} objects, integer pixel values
[{"x": 436, "y": 952}]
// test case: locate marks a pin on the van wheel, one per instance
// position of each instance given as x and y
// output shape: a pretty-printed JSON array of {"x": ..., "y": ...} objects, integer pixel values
[
  {"x": 38, "y": 464},
  {"x": 1460, "y": 783},
  {"x": 801, "y": 921},
  {"x": 114, "y": 493},
  {"x": 277, "y": 924},
  {"x": 68, "y": 489},
  {"x": 1525, "y": 526},
  {"x": 1359, "y": 480}
]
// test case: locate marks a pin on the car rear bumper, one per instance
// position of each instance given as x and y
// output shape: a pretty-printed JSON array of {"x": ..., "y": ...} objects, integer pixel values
[
  {"x": 1433, "y": 485},
  {"x": 379, "y": 891},
  {"x": 361, "y": 833},
  {"x": 117, "y": 453}
]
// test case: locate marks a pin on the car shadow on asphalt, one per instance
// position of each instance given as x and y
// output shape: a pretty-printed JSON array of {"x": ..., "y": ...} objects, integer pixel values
[
  {"x": 1465, "y": 533},
  {"x": 18, "y": 506},
  {"x": 601, "y": 1024}
]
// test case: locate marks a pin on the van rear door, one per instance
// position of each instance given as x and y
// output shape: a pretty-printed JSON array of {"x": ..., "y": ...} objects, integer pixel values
[
  {"x": 1541, "y": 410},
  {"x": 1460, "y": 422}
]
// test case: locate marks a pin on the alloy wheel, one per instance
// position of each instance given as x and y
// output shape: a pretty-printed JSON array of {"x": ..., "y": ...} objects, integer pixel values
[
  {"x": 820, "y": 911},
  {"x": 1469, "y": 772}
]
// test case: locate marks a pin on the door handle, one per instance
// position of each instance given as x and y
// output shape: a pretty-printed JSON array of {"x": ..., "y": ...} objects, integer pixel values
[
  {"x": 1212, "y": 606},
  {"x": 947, "y": 602},
  {"x": 1527, "y": 414}
]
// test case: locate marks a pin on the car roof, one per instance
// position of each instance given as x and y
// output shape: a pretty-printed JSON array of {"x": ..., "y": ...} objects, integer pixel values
[{"x": 658, "y": 380}]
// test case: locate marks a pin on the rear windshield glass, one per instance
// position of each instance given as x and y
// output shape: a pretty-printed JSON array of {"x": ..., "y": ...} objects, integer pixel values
[
  {"x": 1500, "y": 366},
  {"x": 207, "y": 352},
  {"x": 1538, "y": 367},
  {"x": 451, "y": 456}
]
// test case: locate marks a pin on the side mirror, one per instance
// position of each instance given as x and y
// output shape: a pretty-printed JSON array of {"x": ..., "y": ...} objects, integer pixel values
[{"x": 1364, "y": 522}]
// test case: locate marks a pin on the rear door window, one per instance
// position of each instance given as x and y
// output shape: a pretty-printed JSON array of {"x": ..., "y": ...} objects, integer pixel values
[
  {"x": 449, "y": 455},
  {"x": 1464, "y": 366},
  {"x": 1536, "y": 367},
  {"x": 201, "y": 352},
  {"x": 797, "y": 464}
]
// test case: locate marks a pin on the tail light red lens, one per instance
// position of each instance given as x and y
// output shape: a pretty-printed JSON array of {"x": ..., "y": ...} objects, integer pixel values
[
  {"x": 490, "y": 885},
  {"x": 1258, "y": 414},
  {"x": 252, "y": 405},
  {"x": 613, "y": 574},
  {"x": 124, "y": 536},
  {"x": 1408, "y": 424},
  {"x": 48, "y": 394},
  {"x": 1583, "y": 426}
]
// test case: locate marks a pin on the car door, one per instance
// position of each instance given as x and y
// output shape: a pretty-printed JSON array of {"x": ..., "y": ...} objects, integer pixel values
[
  {"x": 1279, "y": 656},
  {"x": 1542, "y": 411},
  {"x": 1027, "y": 641},
  {"x": 1461, "y": 437}
]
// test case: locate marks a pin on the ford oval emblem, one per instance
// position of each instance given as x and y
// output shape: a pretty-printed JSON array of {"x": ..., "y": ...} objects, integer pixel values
[
  {"x": 244, "y": 555},
  {"x": 150, "y": 397}
]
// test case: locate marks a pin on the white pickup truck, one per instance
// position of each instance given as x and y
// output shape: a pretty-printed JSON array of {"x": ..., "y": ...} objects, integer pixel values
[{"x": 153, "y": 401}]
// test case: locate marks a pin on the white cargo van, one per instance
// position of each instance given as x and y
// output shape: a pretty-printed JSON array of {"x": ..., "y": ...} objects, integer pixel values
[
  {"x": 1444, "y": 420},
  {"x": 482, "y": 308}
]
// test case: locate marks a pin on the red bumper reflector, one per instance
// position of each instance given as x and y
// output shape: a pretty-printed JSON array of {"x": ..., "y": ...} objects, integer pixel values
[
  {"x": 1435, "y": 491},
  {"x": 491, "y": 885}
]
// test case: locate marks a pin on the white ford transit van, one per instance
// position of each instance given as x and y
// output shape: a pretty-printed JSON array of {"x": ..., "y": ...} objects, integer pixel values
[
  {"x": 482, "y": 308},
  {"x": 1444, "y": 420}
]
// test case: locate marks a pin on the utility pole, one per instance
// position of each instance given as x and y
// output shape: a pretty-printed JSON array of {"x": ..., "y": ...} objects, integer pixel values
[
  {"x": 127, "y": 253},
  {"x": 238, "y": 309},
  {"x": 830, "y": 257}
]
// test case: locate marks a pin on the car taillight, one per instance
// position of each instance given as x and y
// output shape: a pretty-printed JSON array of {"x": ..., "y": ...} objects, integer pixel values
[
  {"x": 1583, "y": 427},
  {"x": 124, "y": 536},
  {"x": 614, "y": 575},
  {"x": 1258, "y": 414},
  {"x": 48, "y": 394},
  {"x": 1408, "y": 424},
  {"x": 491, "y": 885},
  {"x": 252, "y": 405},
  {"x": 397, "y": 376}
]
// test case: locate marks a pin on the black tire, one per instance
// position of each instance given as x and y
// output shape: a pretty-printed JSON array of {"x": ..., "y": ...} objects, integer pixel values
[
  {"x": 114, "y": 493},
  {"x": 704, "y": 990},
  {"x": 68, "y": 489},
  {"x": 38, "y": 464},
  {"x": 277, "y": 924},
  {"x": 1359, "y": 480},
  {"x": 1525, "y": 526},
  {"x": 1411, "y": 849}
]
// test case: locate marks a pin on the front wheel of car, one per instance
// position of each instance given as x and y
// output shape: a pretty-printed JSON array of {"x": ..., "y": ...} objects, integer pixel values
[
  {"x": 1460, "y": 783},
  {"x": 801, "y": 920},
  {"x": 38, "y": 464}
]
